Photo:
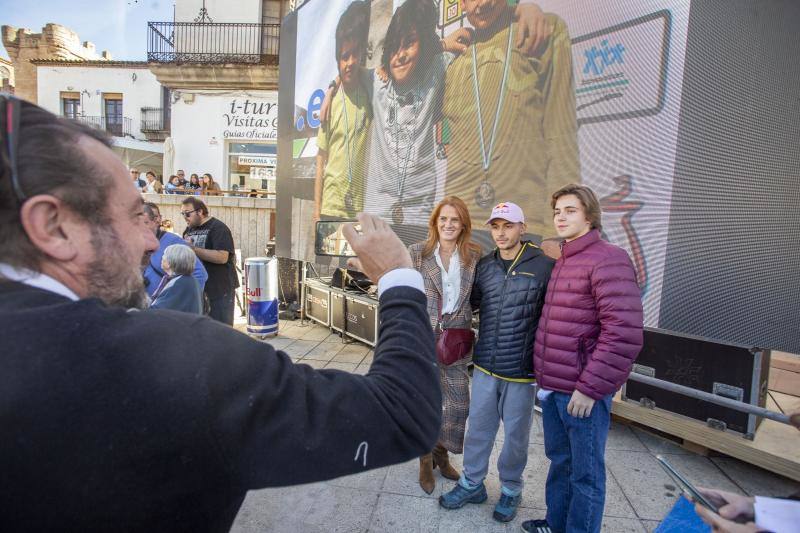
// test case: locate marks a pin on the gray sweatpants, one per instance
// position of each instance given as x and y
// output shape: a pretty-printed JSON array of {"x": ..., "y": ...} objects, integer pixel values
[{"x": 493, "y": 400}]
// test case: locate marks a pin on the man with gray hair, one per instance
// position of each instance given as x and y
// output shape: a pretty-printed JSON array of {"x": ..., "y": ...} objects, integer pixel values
[
  {"x": 178, "y": 290},
  {"x": 153, "y": 273},
  {"x": 156, "y": 420}
]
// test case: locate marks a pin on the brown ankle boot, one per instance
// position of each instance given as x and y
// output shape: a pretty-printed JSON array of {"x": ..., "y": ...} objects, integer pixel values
[
  {"x": 426, "y": 473},
  {"x": 441, "y": 460}
]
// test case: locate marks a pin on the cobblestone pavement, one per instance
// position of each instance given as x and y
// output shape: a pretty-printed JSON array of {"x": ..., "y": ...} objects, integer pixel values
[{"x": 638, "y": 495}]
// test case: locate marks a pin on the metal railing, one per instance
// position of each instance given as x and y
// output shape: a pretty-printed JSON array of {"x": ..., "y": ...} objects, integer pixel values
[
  {"x": 241, "y": 193},
  {"x": 153, "y": 120},
  {"x": 211, "y": 42},
  {"x": 116, "y": 126},
  {"x": 709, "y": 397}
]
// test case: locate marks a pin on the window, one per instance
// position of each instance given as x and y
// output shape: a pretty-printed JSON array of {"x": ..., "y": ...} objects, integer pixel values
[
  {"x": 271, "y": 12},
  {"x": 5, "y": 79},
  {"x": 112, "y": 111},
  {"x": 71, "y": 104},
  {"x": 252, "y": 166}
]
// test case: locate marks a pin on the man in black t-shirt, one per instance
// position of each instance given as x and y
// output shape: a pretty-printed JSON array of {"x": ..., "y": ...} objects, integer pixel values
[{"x": 212, "y": 241}]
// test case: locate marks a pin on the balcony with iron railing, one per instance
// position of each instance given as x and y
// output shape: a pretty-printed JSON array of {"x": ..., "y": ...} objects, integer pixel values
[
  {"x": 154, "y": 120},
  {"x": 115, "y": 125},
  {"x": 210, "y": 42}
]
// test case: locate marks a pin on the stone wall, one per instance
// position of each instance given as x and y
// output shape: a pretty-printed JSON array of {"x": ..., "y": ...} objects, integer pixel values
[
  {"x": 247, "y": 218},
  {"x": 54, "y": 42},
  {"x": 209, "y": 76}
]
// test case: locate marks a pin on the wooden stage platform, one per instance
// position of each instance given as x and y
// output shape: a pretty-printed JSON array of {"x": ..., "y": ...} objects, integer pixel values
[{"x": 776, "y": 446}]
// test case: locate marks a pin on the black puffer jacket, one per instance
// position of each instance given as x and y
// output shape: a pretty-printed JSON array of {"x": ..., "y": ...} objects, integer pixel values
[{"x": 510, "y": 304}]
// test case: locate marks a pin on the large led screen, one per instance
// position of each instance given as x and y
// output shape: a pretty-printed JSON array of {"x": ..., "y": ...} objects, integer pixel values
[{"x": 389, "y": 106}]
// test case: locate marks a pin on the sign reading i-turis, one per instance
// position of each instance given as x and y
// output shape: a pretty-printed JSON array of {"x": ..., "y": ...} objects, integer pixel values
[{"x": 250, "y": 119}]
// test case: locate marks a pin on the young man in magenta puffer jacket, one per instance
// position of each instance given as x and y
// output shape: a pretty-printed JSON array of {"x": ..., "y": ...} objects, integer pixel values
[{"x": 589, "y": 334}]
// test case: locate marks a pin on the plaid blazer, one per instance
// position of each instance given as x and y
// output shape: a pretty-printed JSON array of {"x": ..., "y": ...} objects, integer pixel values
[{"x": 432, "y": 275}]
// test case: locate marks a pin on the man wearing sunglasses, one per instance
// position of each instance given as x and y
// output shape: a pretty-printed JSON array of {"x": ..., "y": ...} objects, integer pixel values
[
  {"x": 155, "y": 420},
  {"x": 212, "y": 242},
  {"x": 137, "y": 180}
]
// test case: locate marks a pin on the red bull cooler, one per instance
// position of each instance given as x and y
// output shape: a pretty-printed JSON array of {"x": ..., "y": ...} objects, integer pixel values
[{"x": 261, "y": 287}]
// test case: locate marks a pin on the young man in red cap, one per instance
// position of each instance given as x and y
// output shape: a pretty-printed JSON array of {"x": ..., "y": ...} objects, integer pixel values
[
  {"x": 509, "y": 291},
  {"x": 588, "y": 337}
]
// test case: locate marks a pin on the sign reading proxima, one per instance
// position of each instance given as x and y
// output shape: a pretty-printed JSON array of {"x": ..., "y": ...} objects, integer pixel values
[
  {"x": 258, "y": 160},
  {"x": 248, "y": 118}
]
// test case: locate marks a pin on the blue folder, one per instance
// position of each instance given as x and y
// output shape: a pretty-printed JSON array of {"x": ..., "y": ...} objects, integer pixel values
[{"x": 682, "y": 519}]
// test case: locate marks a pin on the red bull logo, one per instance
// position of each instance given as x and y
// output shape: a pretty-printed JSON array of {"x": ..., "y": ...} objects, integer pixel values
[{"x": 262, "y": 317}]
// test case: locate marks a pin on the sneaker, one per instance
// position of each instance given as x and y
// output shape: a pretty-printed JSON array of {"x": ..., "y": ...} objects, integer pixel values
[
  {"x": 536, "y": 526},
  {"x": 506, "y": 508},
  {"x": 460, "y": 496}
]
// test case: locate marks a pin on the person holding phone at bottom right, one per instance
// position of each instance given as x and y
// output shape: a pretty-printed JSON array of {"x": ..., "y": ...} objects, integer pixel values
[
  {"x": 746, "y": 514},
  {"x": 589, "y": 334}
]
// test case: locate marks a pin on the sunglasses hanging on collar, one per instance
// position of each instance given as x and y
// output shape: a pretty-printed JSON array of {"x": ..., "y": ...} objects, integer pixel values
[{"x": 10, "y": 112}]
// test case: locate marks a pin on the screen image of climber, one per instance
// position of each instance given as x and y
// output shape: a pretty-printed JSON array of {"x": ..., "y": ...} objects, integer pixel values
[
  {"x": 389, "y": 106},
  {"x": 397, "y": 105}
]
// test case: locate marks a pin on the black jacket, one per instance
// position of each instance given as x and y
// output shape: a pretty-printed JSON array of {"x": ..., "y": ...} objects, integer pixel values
[
  {"x": 161, "y": 421},
  {"x": 510, "y": 304}
]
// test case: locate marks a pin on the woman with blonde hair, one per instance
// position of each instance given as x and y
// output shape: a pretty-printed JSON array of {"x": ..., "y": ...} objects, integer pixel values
[{"x": 447, "y": 260}]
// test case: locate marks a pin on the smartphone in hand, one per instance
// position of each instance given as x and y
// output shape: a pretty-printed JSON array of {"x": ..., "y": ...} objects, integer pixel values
[{"x": 329, "y": 239}]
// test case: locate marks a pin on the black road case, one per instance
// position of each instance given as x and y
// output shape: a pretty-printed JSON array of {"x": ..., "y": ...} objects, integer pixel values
[
  {"x": 737, "y": 372},
  {"x": 318, "y": 302},
  {"x": 337, "y": 310},
  {"x": 361, "y": 318}
]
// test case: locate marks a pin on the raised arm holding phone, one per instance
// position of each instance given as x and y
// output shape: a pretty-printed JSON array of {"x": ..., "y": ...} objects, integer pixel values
[
  {"x": 123, "y": 422},
  {"x": 748, "y": 514}
]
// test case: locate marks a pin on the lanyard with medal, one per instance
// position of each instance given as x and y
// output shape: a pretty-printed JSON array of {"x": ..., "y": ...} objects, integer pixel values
[
  {"x": 484, "y": 194},
  {"x": 348, "y": 197},
  {"x": 402, "y": 168}
]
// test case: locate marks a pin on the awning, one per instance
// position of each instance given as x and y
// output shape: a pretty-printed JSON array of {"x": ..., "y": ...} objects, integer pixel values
[{"x": 143, "y": 155}]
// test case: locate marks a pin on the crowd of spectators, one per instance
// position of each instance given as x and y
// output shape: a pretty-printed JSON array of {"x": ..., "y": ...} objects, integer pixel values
[{"x": 177, "y": 184}]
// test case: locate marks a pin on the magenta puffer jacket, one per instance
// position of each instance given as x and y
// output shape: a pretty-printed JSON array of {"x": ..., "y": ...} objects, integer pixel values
[{"x": 590, "y": 331}]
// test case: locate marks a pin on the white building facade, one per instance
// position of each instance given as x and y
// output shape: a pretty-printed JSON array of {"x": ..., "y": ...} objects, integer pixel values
[
  {"x": 219, "y": 59},
  {"x": 121, "y": 97},
  {"x": 231, "y": 135},
  {"x": 6, "y": 76}
]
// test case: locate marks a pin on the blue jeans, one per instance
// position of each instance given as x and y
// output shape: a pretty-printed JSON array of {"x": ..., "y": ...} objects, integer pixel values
[{"x": 576, "y": 482}]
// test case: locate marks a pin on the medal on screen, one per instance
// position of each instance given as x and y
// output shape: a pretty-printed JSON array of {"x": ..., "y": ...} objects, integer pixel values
[
  {"x": 484, "y": 194},
  {"x": 397, "y": 213},
  {"x": 348, "y": 201}
]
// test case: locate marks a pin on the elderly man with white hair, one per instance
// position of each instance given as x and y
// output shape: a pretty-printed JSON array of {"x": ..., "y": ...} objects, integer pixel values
[{"x": 178, "y": 290}]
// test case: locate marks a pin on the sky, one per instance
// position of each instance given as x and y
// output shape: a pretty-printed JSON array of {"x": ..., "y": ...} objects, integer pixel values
[{"x": 119, "y": 26}]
